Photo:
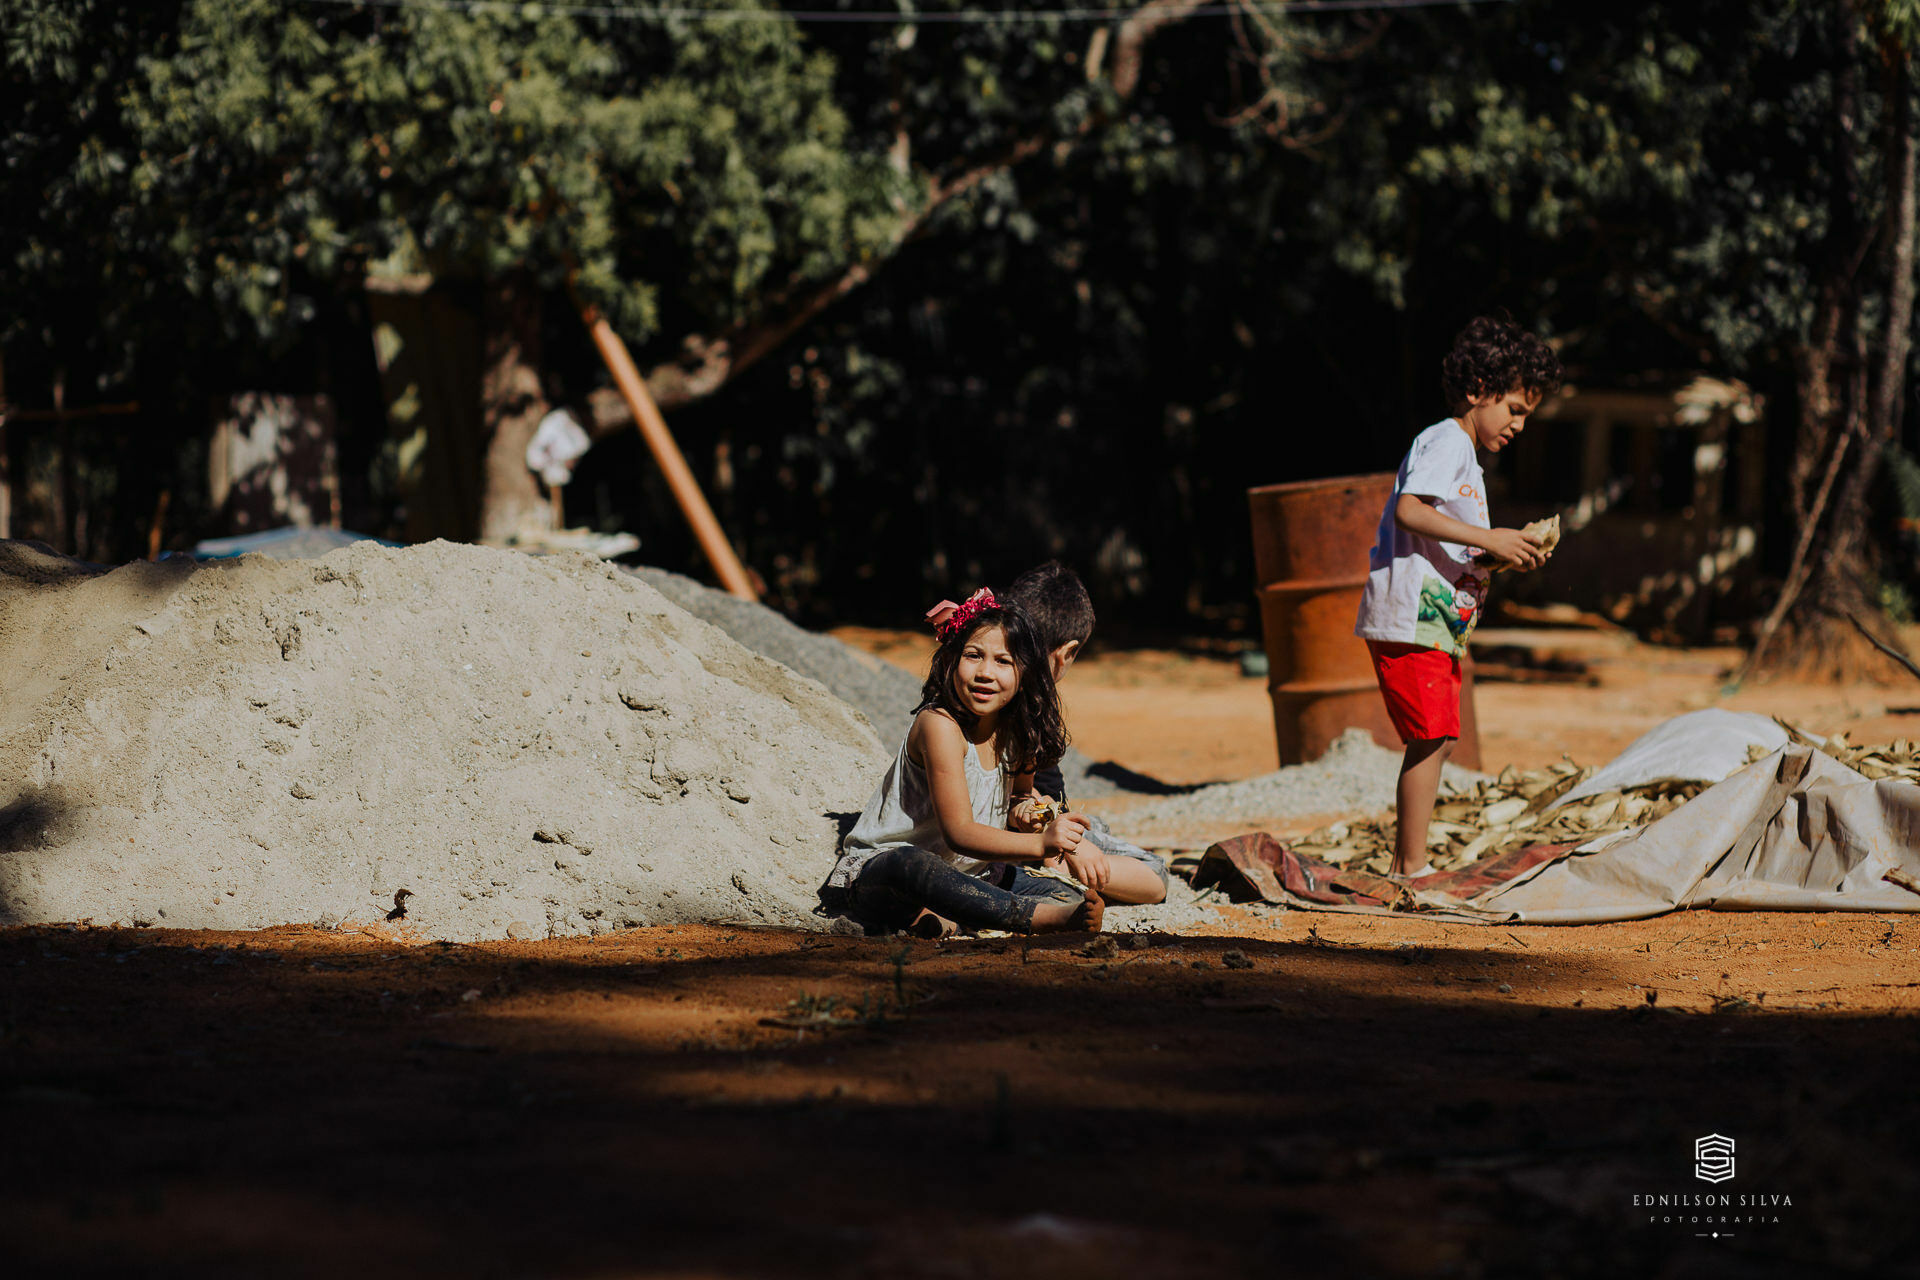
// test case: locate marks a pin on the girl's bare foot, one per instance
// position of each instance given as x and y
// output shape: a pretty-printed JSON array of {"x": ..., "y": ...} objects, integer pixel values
[
  {"x": 1058, "y": 917},
  {"x": 1091, "y": 913},
  {"x": 929, "y": 925}
]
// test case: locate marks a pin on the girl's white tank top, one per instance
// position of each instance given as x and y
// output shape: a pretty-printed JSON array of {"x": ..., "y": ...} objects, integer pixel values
[{"x": 901, "y": 813}]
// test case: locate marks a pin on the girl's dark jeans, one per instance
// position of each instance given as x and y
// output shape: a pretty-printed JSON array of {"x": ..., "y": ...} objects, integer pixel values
[{"x": 893, "y": 887}]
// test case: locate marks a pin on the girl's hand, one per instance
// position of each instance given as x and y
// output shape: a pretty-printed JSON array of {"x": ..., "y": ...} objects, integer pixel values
[
  {"x": 1063, "y": 834},
  {"x": 1513, "y": 549},
  {"x": 1090, "y": 866}
]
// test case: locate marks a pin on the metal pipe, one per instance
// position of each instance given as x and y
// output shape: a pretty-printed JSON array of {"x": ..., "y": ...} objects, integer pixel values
[{"x": 653, "y": 429}]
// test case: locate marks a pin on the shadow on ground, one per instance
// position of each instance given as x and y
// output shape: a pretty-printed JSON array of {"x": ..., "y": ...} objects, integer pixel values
[
  {"x": 305, "y": 1103},
  {"x": 34, "y": 820},
  {"x": 1132, "y": 782}
]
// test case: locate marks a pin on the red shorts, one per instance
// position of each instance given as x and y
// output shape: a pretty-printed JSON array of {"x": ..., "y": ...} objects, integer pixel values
[{"x": 1422, "y": 689}]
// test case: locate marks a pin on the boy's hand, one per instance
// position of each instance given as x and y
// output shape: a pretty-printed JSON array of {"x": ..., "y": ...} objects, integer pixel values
[
  {"x": 1028, "y": 815},
  {"x": 1513, "y": 549},
  {"x": 1090, "y": 865},
  {"x": 1063, "y": 834}
]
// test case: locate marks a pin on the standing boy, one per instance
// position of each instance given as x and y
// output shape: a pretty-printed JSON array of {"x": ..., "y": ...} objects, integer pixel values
[
  {"x": 1424, "y": 592},
  {"x": 1062, "y": 612}
]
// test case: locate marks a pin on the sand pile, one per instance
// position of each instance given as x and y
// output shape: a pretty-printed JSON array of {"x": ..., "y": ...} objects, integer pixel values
[{"x": 530, "y": 747}]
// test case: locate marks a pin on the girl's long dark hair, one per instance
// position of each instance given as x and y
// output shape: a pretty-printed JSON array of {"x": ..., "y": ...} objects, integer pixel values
[{"x": 1032, "y": 734}]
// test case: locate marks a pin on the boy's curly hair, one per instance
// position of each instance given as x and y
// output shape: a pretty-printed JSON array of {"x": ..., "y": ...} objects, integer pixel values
[{"x": 1494, "y": 356}]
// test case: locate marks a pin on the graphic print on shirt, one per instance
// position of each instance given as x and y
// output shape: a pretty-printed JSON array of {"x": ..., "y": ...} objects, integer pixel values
[
  {"x": 1421, "y": 590},
  {"x": 1472, "y": 494},
  {"x": 1448, "y": 614}
]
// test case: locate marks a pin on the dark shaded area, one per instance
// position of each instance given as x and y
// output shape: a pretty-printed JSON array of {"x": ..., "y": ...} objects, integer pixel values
[
  {"x": 287, "y": 1105},
  {"x": 30, "y": 822},
  {"x": 1091, "y": 356},
  {"x": 844, "y": 821},
  {"x": 1133, "y": 780}
]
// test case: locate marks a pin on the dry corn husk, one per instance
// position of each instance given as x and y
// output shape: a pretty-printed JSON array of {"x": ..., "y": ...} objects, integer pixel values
[
  {"x": 1512, "y": 811},
  {"x": 1502, "y": 814},
  {"x": 1898, "y": 759},
  {"x": 1546, "y": 532}
]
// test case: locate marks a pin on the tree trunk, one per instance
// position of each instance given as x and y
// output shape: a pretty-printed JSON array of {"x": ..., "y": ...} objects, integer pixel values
[
  {"x": 1824, "y": 441},
  {"x": 1849, "y": 402},
  {"x": 1877, "y": 391},
  {"x": 511, "y": 406},
  {"x": 1902, "y": 143}
]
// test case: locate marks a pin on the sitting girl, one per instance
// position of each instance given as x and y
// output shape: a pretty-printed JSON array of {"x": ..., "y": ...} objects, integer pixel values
[{"x": 932, "y": 850}]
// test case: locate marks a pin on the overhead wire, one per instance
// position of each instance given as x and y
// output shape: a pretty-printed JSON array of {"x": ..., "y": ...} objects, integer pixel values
[{"x": 898, "y": 17}]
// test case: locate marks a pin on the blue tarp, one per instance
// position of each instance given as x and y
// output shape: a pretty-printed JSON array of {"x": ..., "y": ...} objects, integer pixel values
[{"x": 289, "y": 543}]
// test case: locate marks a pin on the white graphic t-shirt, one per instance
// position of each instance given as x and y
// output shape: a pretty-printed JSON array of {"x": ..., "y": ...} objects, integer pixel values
[{"x": 1420, "y": 591}]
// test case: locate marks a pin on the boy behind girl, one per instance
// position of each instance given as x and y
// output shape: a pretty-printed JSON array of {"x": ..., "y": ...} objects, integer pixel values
[{"x": 1053, "y": 596}]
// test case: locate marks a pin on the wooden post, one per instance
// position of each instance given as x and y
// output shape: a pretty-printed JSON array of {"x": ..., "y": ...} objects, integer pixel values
[
  {"x": 156, "y": 534},
  {"x": 653, "y": 429},
  {"x": 65, "y": 492},
  {"x": 68, "y": 522}
]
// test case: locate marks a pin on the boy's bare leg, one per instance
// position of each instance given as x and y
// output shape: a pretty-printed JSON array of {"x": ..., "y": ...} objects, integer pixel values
[
  {"x": 1061, "y": 917},
  {"x": 1132, "y": 883},
  {"x": 1419, "y": 784}
]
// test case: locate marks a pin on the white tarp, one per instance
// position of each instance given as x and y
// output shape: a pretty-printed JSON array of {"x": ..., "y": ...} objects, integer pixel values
[
  {"x": 1701, "y": 746},
  {"x": 1795, "y": 831}
]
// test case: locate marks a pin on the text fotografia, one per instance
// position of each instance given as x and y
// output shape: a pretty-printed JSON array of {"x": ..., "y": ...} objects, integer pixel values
[{"x": 1698, "y": 1206}]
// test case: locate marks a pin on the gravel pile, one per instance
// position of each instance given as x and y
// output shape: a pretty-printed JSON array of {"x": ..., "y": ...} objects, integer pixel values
[
  {"x": 1182, "y": 912},
  {"x": 1355, "y": 775},
  {"x": 878, "y": 690}
]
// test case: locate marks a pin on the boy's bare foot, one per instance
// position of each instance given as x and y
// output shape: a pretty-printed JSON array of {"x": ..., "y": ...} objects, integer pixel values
[
  {"x": 929, "y": 925},
  {"x": 1058, "y": 917},
  {"x": 1418, "y": 873}
]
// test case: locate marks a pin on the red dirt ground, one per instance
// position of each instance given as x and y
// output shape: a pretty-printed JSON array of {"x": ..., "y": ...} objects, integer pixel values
[{"x": 1315, "y": 1095}]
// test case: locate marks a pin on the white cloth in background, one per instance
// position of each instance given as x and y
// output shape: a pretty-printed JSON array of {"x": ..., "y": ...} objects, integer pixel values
[{"x": 558, "y": 442}]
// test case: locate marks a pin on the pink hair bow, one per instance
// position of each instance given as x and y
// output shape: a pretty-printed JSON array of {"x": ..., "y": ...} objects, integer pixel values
[{"x": 948, "y": 616}]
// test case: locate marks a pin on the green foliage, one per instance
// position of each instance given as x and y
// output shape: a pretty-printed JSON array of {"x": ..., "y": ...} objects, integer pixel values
[
  {"x": 1243, "y": 273},
  {"x": 1905, "y": 471},
  {"x": 1673, "y": 163},
  {"x": 1901, "y": 21},
  {"x": 261, "y": 149}
]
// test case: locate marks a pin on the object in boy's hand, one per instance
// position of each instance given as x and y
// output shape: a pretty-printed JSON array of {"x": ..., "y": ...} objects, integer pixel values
[
  {"x": 1545, "y": 532},
  {"x": 1044, "y": 810}
]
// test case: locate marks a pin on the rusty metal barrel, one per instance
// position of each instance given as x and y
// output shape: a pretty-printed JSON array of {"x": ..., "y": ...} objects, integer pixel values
[{"x": 1310, "y": 544}]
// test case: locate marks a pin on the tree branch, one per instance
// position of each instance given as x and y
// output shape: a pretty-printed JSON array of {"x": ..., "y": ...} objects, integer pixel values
[
  {"x": 708, "y": 364},
  {"x": 1129, "y": 42},
  {"x": 1882, "y": 645},
  {"x": 1801, "y": 567}
]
